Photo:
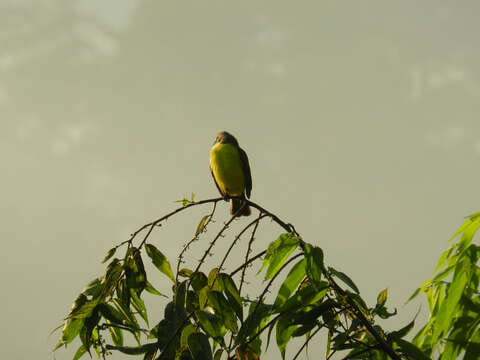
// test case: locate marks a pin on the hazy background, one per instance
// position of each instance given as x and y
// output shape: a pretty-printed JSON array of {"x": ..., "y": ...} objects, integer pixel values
[{"x": 360, "y": 120}]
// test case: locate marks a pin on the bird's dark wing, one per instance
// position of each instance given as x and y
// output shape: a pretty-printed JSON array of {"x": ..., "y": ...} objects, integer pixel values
[
  {"x": 215, "y": 180},
  {"x": 246, "y": 171}
]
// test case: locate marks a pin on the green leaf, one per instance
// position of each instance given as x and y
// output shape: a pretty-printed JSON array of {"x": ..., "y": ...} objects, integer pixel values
[
  {"x": 412, "y": 350},
  {"x": 110, "y": 278},
  {"x": 187, "y": 330},
  {"x": 303, "y": 297},
  {"x": 233, "y": 296},
  {"x": 80, "y": 352},
  {"x": 160, "y": 261},
  {"x": 198, "y": 281},
  {"x": 223, "y": 310},
  {"x": 135, "y": 271},
  {"x": 133, "y": 350},
  {"x": 109, "y": 254},
  {"x": 199, "y": 347},
  {"x": 218, "y": 354},
  {"x": 451, "y": 302},
  {"x": 149, "y": 287},
  {"x": 294, "y": 277},
  {"x": 394, "y": 335},
  {"x": 277, "y": 252},
  {"x": 211, "y": 324},
  {"x": 382, "y": 297},
  {"x": 213, "y": 284},
  {"x": 343, "y": 277},
  {"x": 110, "y": 313},
  {"x": 116, "y": 334},
  {"x": 70, "y": 331},
  {"x": 129, "y": 318},
  {"x": 201, "y": 225},
  {"x": 259, "y": 314},
  {"x": 314, "y": 269},
  {"x": 284, "y": 331},
  {"x": 185, "y": 272},
  {"x": 139, "y": 305}
]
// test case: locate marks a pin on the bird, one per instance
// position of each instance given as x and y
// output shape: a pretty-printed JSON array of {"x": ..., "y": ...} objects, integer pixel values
[{"x": 231, "y": 172}]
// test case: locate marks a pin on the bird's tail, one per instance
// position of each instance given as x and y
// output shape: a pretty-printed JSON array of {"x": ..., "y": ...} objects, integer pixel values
[{"x": 239, "y": 207}]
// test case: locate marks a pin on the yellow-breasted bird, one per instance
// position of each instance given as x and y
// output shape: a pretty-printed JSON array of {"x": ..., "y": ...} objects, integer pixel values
[{"x": 231, "y": 172}]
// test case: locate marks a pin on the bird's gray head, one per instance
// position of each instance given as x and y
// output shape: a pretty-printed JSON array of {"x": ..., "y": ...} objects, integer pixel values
[{"x": 224, "y": 137}]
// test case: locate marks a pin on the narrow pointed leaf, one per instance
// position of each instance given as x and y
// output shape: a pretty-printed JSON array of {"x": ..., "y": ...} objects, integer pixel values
[
  {"x": 294, "y": 277},
  {"x": 109, "y": 254},
  {"x": 160, "y": 261}
]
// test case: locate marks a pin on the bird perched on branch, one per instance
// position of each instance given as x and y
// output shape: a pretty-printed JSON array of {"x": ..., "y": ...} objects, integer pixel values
[{"x": 231, "y": 172}]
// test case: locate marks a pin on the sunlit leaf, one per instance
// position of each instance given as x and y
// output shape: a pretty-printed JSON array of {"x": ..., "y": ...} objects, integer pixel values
[
  {"x": 185, "y": 272},
  {"x": 80, "y": 352},
  {"x": 382, "y": 297},
  {"x": 116, "y": 334},
  {"x": 139, "y": 305},
  {"x": 450, "y": 304},
  {"x": 201, "y": 225},
  {"x": 284, "y": 331},
  {"x": 277, "y": 252},
  {"x": 160, "y": 261},
  {"x": 294, "y": 277},
  {"x": 187, "y": 330},
  {"x": 213, "y": 284}
]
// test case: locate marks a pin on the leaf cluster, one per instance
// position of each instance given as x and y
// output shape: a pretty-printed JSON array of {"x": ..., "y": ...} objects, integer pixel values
[{"x": 208, "y": 317}]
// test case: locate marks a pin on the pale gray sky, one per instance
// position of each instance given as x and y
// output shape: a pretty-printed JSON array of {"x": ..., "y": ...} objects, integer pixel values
[{"x": 360, "y": 120}]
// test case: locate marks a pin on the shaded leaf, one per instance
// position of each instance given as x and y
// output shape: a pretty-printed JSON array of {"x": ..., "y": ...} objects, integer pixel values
[
  {"x": 343, "y": 277},
  {"x": 231, "y": 291},
  {"x": 199, "y": 347},
  {"x": 109, "y": 254},
  {"x": 133, "y": 350},
  {"x": 314, "y": 269},
  {"x": 211, "y": 324},
  {"x": 223, "y": 310}
]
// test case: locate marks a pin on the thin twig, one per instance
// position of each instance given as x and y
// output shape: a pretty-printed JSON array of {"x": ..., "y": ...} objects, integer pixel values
[
  {"x": 249, "y": 250},
  {"x": 220, "y": 267},
  {"x": 187, "y": 245}
]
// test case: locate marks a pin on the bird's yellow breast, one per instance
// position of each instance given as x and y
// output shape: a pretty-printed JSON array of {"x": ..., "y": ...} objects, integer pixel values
[{"x": 227, "y": 169}]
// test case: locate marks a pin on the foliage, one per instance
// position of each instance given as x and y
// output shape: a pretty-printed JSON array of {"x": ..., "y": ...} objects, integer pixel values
[
  {"x": 208, "y": 317},
  {"x": 454, "y": 300}
]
